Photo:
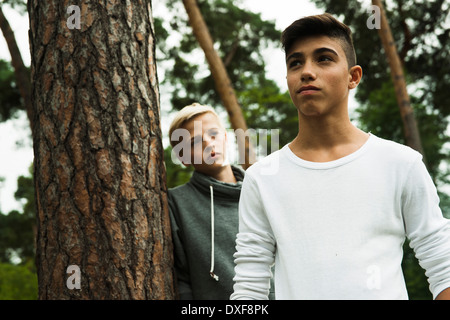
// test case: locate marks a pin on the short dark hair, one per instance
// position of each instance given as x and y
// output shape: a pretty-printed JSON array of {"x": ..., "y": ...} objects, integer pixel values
[{"x": 320, "y": 25}]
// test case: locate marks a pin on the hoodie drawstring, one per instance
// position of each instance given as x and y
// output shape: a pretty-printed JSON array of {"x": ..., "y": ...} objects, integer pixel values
[{"x": 211, "y": 272}]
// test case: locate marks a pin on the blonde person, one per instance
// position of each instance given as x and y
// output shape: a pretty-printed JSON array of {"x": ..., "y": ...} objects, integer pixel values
[
  {"x": 204, "y": 211},
  {"x": 334, "y": 217}
]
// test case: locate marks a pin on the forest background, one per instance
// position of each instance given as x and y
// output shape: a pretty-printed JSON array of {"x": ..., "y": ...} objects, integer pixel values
[{"x": 247, "y": 39}]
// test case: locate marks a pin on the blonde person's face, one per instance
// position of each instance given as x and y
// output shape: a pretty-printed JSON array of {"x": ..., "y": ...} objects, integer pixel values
[
  {"x": 207, "y": 142},
  {"x": 318, "y": 76}
]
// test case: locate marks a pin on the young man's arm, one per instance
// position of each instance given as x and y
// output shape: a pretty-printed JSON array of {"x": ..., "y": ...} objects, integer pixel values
[
  {"x": 255, "y": 246},
  {"x": 444, "y": 295},
  {"x": 427, "y": 229}
]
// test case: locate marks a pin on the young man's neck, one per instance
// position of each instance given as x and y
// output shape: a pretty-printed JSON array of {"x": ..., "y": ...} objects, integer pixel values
[
  {"x": 322, "y": 139},
  {"x": 225, "y": 174}
]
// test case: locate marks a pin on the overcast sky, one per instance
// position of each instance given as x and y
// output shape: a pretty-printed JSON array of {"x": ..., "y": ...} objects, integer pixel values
[{"x": 15, "y": 161}]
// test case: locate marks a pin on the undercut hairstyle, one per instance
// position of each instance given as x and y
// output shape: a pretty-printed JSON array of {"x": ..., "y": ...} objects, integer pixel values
[
  {"x": 320, "y": 25},
  {"x": 187, "y": 113}
]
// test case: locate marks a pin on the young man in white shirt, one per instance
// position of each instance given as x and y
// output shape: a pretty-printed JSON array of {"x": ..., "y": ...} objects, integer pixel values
[{"x": 335, "y": 213}]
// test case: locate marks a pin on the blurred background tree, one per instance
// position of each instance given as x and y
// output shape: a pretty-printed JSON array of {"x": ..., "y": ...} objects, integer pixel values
[
  {"x": 18, "y": 282},
  {"x": 9, "y": 94},
  {"x": 18, "y": 279}
]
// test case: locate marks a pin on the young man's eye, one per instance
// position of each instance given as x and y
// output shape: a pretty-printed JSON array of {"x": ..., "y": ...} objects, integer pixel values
[
  {"x": 294, "y": 63},
  {"x": 325, "y": 59},
  {"x": 196, "y": 140},
  {"x": 213, "y": 133}
]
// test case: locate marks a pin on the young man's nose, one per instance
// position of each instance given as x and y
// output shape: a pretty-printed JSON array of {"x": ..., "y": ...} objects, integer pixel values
[{"x": 308, "y": 73}]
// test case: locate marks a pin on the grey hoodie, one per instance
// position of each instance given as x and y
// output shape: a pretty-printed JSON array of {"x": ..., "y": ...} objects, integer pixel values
[{"x": 205, "y": 219}]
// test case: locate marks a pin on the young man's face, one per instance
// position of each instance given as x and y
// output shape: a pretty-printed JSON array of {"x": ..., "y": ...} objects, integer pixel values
[
  {"x": 318, "y": 76},
  {"x": 207, "y": 143}
]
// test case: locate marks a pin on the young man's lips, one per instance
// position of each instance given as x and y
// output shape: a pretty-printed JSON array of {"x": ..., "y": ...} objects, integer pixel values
[
  {"x": 214, "y": 155},
  {"x": 308, "y": 90}
]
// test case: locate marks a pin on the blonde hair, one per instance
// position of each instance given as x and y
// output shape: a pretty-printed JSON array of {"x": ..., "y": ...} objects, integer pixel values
[{"x": 186, "y": 114}]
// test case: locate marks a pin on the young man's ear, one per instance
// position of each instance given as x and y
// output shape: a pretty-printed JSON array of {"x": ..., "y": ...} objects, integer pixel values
[{"x": 355, "y": 76}]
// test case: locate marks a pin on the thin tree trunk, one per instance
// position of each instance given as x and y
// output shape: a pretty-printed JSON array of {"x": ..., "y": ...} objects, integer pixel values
[
  {"x": 100, "y": 180},
  {"x": 221, "y": 79},
  {"x": 411, "y": 130},
  {"x": 22, "y": 76}
]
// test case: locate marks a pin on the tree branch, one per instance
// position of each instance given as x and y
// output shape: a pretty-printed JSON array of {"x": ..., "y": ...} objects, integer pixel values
[{"x": 22, "y": 76}]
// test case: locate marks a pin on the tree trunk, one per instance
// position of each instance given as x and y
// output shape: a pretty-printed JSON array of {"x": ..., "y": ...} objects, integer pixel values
[
  {"x": 221, "y": 79},
  {"x": 100, "y": 180},
  {"x": 411, "y": 131},
  {"x": 22, "y": 77}
]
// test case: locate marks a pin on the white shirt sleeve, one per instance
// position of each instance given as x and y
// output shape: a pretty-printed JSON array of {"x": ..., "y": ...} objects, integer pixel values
[
  {"x": 255, "y": 245},
  {"x": 427, "y": 229}
]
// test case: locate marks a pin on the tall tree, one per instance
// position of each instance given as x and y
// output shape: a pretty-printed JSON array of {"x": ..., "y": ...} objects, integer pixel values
[
  {"x": 411, "y": 131},
  {"x": 21, "y": 72},
  {"x": 100, "y": 181},
  {"x": 239, "y": 36},
  {"x": 220, "y": 76},
  {"x": 17, "y": 229}
]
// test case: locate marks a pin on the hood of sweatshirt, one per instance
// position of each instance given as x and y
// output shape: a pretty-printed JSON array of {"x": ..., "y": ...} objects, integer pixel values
[{"x": 222, "y": 190}]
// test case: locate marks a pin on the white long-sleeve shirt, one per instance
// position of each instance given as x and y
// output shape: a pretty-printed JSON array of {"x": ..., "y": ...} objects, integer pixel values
[{"x": 335, "y": 229}]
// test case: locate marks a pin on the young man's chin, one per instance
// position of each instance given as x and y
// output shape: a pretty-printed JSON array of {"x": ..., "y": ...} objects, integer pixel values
[{"x": 209, "y": 165}]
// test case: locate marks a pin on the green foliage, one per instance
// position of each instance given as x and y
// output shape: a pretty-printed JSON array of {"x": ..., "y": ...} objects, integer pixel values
[
  {"x": 10, "y": 99},
  {"x": 17, "y": 229},
  {"x": 18, "y": 282},
  {"x": 25, "y": 193},
  {"x": 268, "y": 108},
  {"x": 18, "y": 279},
  {"x": 176, "y": 174},
  {"x": 240, "y": 37},
  {"x": 16, "y": 237},
  {"x": 445, "y": 204},
  {"x": 416, "y": 281},
  {"x": 381, "y": 116}
]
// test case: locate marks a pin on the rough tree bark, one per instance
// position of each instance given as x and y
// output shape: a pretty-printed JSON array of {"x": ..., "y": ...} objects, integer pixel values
[
  {"x": 221, "y": 79},
  {"x": 410, "y": 129},
  {"x": 99, "y": 172}
]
